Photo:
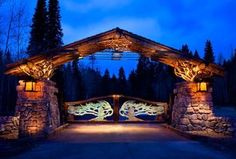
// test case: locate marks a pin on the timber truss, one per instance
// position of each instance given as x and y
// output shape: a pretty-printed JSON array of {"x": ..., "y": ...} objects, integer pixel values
[{"x": 186, "y": 67}]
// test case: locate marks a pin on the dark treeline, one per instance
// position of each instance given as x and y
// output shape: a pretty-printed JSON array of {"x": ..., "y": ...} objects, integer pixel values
[
  {"x": 151, "y": 80},
  {"x": 7, "y": 86},
  {"x": 225, "y": 88}
]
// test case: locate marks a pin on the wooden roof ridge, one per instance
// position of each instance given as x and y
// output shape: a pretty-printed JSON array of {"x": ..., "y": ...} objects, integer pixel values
[
  {"x": 120, "y": 31},
  {"x": 67, "y": 47}
]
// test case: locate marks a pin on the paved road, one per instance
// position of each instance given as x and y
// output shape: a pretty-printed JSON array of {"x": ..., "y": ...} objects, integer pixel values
[{"x": 120, "y": 141}]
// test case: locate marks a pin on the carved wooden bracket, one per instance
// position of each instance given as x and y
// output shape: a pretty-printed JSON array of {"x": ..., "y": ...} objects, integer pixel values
[
  {"x": 190, "y": 71},
  {"x": 41, "y": 70},
  {"x": 119, "y": 44}
]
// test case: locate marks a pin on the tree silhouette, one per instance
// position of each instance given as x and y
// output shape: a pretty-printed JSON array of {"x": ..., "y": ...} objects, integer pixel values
[
  {"x": 78, "y": 88},
  {"x": 122, "y": 83},
  {"x": 209, "y": 54},
  {"x": 132, "y": 88},
  {"x": 196, "y": 55},
  {"x": 105, "y": 83},
  {"x": 54, "y": 31},
  {"x": 185, "y": 50},
  {"x": 9, "y": 87},
  {"x": 114, "y": 85},
  {"x": 37, "y": 41}
]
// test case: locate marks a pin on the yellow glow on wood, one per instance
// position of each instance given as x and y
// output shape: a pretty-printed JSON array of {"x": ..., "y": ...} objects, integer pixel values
[
  {"x": 38, "y": 70},
  {"x": 202, "y": 86},
  {"x": 30, "y": 86}
]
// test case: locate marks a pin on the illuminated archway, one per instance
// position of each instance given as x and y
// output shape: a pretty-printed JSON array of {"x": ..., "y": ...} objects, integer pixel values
[
  {"x": 185, "y": 66},
  {"x": 192, "y": 99}
]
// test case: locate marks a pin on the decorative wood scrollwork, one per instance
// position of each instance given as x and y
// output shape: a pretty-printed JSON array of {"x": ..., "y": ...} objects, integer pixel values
[
  {"x": 40, "y": 70},
  {"x": 131, "y": 109},
  {"x": 190, "y": 71},
  {"x": 100, "y": 110}
]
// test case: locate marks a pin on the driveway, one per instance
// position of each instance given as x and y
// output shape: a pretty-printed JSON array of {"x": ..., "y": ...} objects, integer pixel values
[{"x": 120, "y": 141}]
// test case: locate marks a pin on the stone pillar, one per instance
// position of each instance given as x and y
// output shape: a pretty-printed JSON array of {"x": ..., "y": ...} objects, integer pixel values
[
  {"x": 38, "y": 110},
  {"x": 193, "y": 111}
]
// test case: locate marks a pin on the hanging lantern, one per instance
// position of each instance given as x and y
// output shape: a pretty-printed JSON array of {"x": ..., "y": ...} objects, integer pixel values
[
  {"x": 30, "y": 86},
  {"x": 202, "y": 86}
]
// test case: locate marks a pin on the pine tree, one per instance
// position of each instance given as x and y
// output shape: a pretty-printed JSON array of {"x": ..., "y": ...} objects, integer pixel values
[
  {"x": 77, "y": 81},
  {"x": 185, "y": 50},
  {"x": 54, "y": 34},
  {"x": 190, "y": 53},
  {"x": 144, "y": 77},
  {"x": 114, "y": 86},
  {"x": 54, "y": 40},
  {"x": 67, "y": 85},
  {"x": 132, "y": 82},
  {"x": 105, "y": 83},
  {"x": 37, "y": 42},
  {"x": 220, "y": 59},
  {"x": 231, "y": 78},
  {"x": 122, "y": 74},
  {"x": 122, "y": 81},
  {"x": 92, "y": 60},
  {"x": 209, "y": 54},
  {"x": 196, "y": 55},
  {"x": 92, "y": 82},
  {"x": 8, "y": 58},
  {"x": 9, "y": 88}
]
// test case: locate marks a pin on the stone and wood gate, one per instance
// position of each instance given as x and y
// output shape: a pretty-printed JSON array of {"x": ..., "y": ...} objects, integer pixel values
[{"x": 37, "y": 108}]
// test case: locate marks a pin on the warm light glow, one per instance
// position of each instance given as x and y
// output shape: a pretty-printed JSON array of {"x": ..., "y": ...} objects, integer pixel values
[
  {"x": 202, "y": 86},
  {"x": 186, "y": 70},
  {"x": 115, "y": 96},
  {"x": 39, "y": 70},
  {"x": 30, "y": 86},
  {"x": 112, "y": 128}
]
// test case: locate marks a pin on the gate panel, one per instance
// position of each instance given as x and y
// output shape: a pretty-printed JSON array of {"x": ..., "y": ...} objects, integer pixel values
[
  {"x": 116, "y": 108},
  {"x": 98, "y": 111}
]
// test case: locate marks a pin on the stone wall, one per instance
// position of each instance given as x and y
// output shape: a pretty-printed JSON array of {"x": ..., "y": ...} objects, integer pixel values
[
  {"x": 37, "y": 110},
  {"x": 193, "y": 111},
  {"x": 9, "y": 126}
]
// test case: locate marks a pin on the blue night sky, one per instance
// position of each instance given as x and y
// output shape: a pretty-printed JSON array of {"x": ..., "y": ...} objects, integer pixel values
[{"x": 172, "y": 23}]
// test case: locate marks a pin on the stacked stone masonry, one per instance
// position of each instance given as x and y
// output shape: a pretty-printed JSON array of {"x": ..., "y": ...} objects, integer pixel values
[
  {"x": 9, "y": 127},
  {"x": 193, "y": 111},
  {"x": 38, "y": 110}
]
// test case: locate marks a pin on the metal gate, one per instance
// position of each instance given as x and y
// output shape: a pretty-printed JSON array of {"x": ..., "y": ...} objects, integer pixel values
[{"x": 116, "y": 108}]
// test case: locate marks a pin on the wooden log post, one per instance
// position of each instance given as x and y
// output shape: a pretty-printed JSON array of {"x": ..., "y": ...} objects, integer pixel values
[{"x": 116, "y": 107}]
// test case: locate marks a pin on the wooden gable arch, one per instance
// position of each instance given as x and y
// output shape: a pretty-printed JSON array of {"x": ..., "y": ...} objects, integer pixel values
[{"x": 185, "y": 66}]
